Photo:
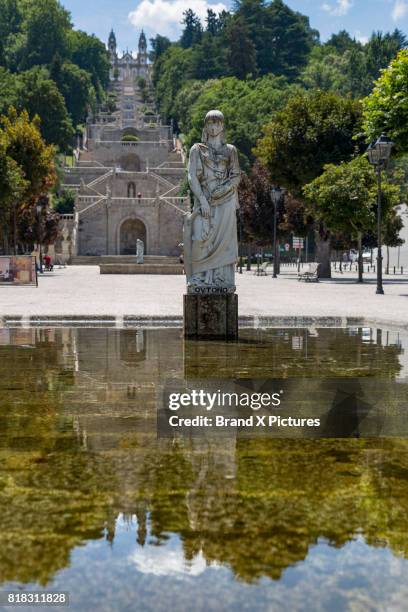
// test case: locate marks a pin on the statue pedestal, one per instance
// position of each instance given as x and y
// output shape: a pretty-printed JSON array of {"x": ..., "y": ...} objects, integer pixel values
[{"x": 211, "y": 315}]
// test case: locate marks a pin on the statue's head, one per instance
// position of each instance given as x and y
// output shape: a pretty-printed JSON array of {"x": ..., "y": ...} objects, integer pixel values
[{"x": 213, "y": 125}]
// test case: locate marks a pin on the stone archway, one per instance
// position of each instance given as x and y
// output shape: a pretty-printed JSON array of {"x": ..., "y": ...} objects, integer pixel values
[
  {"x": 130, "y": 231},
  {"x": 130, "y": 162},
  {"x": 129, "y": 131}
]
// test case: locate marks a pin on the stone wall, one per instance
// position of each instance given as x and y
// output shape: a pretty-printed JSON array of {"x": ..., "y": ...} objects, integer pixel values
[{"x": 99, "y": 231}]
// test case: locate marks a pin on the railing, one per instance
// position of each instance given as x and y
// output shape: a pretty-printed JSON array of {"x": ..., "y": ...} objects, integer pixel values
[
  {"x": 107, "y": 143},
  {"x": 177, "y": 164},
  {"x": 134, "y": 201},
  {"x": 99, "y": 179},
  {"x": 180, "y": 204},
  {"x": 92, "y": 203},
  {"x": 162, "y": 180},
  {"x": 87, "y": 199}
]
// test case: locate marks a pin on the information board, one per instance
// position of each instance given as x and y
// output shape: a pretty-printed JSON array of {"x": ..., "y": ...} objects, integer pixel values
[{"x": 18, "y": 270}]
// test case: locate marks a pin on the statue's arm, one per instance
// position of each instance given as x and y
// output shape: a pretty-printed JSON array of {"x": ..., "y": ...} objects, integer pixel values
[
  {"x": 235, "y": 170},
  {"x": 194, "y": 164},
  {"x": 234, "y": 175}
]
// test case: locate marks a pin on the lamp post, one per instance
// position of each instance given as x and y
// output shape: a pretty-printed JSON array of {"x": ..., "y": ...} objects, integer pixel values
[
  {"x": 39, "y": 208},
  {"x": 240, "y": 240},
  {"x": 378, "y": 155},
  {"x": 276, "y": 195}
]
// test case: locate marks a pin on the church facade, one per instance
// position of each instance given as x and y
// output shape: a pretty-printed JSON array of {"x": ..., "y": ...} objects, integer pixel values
[
  {"x": 127, "y": 172},
  {"x": 128, "y": 65}
]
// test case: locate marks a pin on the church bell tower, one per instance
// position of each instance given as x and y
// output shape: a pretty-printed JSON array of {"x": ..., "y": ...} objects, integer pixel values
[
  {"x": 112, "y": 45},
  {"x": 142, "y": 54}
]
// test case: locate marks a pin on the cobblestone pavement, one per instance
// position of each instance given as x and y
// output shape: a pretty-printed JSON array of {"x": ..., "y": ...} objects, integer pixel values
[{"x": 82, "y": 291}]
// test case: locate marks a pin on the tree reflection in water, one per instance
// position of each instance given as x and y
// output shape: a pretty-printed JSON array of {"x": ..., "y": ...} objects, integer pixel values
[{"x": 78, "y": 448}]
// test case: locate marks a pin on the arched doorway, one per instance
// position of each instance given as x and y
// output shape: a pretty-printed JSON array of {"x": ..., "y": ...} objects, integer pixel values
[
  {"x": 130, "y": 162},
  {"x": 130, "y": 231}
]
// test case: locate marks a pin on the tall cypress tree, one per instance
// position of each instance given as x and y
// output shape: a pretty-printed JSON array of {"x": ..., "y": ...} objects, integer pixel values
[{"x": 241, "y": 50}]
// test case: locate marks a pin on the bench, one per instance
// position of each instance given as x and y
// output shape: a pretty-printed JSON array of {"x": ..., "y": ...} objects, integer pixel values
[
  {"x": 310, "y": 274},
  {"x": 262, "y": 269}
]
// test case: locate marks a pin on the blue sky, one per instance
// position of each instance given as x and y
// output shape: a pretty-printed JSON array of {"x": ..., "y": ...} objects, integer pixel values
[{"x": 127, "y": 17}]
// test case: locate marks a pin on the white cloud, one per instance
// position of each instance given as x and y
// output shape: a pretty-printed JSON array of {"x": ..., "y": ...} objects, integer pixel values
[
  {"x": 361, "y": 37},
  {"x": 164, "y": 16},
  {"x": 162, "y": 561},
  {"x": 400, "y": 10},
  {"x": 339, "y": 9}
]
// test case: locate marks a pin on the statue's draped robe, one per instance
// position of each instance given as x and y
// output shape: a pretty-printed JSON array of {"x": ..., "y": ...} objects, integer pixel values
[{"x": 214, "y": 176}]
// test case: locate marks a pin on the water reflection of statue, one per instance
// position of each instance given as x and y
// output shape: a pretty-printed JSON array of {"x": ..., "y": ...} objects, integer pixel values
[
  {"x": 210, "y": 233},
  {"x": 139, "y": 251}
]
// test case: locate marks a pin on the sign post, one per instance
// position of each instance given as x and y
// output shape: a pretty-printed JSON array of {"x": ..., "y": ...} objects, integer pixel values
[{"x": 298, "y": 244}]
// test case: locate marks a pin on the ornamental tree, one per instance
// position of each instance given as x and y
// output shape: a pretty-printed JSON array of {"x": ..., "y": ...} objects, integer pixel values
[
  {"x": 386, "y": 109},
  {"x": 344, "y": 199},
  {"x": 313, "y": 129}
]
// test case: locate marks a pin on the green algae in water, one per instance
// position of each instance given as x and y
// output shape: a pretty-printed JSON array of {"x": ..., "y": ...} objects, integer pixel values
[{"x": 93, "y": 503}]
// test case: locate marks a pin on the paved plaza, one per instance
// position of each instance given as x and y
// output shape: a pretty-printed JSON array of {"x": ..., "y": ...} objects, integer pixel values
[{"x": 81, "y": 292}]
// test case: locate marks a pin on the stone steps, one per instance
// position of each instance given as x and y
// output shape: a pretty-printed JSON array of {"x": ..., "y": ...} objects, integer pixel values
[
  {"x": 97, "y": 260},
  {"x": 145, "y": 268}
]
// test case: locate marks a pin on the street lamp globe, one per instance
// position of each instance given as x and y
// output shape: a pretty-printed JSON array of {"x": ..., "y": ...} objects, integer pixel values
[
  {"x": 276, "y": 194},
  {"x": 379, "y": 151}
]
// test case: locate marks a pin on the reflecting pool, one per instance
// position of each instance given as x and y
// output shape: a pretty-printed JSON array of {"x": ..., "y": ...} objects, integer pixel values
[{"x": 94, "y": 504}]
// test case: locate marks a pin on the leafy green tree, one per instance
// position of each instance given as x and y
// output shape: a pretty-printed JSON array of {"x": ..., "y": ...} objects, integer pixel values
[
  {"x": 391, "y": 234},
  {"x": 192, "y": 31},
  {"x": 76, "y": 86},
  {"x": 184, "y": 103},
  {"x": 46, "y": 27},
  {"x": 327, "y": 73},
  {"x": 208, "y": 59},
  {"x": 381, "y": 49},
  {"x": 386, "y": 109},
  {"x": 12, "y": 188},
  {"x": 10, "y": 85},
  {"x": 247, "y": 106},
  {"x": 282, "y": 37},
  {"x": 40, "y": 96},
  {"x": 159, "y": 45},
  {"x": 65, "y": 202},
  {"x": 89, "y": 53},
  {"x": 31, "y": 169},
  {"x": 10, "y": 25},
  {"x": 257, "y": 209},
  {"x": 31, "y": 231},
  {"x": 313, "y": 129},
  {"x": 28, "y": 149},
  {"x": 172, "y": 70},
  {"x": 212, "y": 22},
  {"x": 241, "y": 50},
  {"x": 292, "y": 37},
  {"x": 342, "y": 42},
  {"x": 344, "y": 200},
  {"x": 363, "y": 64}
]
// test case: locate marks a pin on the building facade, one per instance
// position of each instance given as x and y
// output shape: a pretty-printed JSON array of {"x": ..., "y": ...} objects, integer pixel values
[
  {"x": 128, "y": 65},
  {"x": 127, "y": 173}
]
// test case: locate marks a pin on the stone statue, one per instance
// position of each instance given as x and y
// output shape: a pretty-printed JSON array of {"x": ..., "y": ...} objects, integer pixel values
[
  {"x": 139, "y": 251},
  {"x": 210, "y": 232}
]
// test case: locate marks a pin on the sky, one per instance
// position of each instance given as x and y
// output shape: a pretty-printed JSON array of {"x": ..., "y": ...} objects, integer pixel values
[{"x": 127, "y": 17}]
